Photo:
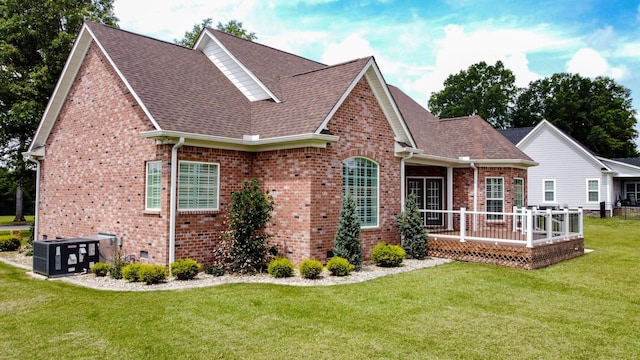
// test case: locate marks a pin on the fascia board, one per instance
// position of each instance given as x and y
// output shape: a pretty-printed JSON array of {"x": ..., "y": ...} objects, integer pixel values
[
  {"x": 219, "y": 142},
  {"x": 370, "y": 64},
  {"x": 619, "y": 163},
  {"x": 60, "y": 92},
  {"x": 201, "y": 42}
]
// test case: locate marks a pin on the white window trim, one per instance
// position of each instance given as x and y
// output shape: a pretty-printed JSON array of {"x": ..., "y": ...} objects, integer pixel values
[
  {"x": 544, "y": 191},
  {"x": 377, "y": 224},
  {"x": 217, "y": 207},
  {"x": 514, "y": 189},
  {"x": 588, "y": 191},
  {"x": 486, "y": 199},
  {"x": 146, "y": 186}
]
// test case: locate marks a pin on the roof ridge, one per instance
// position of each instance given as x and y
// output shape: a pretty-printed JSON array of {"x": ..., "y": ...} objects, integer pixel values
[
  {"x": 136, "y": 34},
  {"x": 265, "y": 46},
  {"x": 327, "y": 67}
]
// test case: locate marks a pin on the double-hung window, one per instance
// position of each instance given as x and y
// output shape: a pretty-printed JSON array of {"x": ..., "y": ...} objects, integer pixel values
[
  {"x": 360, "y": 178},
  {"x": 153, "y": 185},
  {"x": 198, "y": 184},
  {"x": 593, "y": 190},
  {"x": 518, "y": 192},
  {"x": 495, "y": 198},
  {"x": 549, "y": 188}
]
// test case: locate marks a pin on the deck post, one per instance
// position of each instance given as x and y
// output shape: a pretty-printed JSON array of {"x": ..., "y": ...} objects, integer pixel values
[
  {"x": 565, "y": 224},
  {"x": 529, "y": 222},
  {"x": 463, "y": 224},
  {"x": 580, "y": 222},
  {"x": 549, "y": 227}
]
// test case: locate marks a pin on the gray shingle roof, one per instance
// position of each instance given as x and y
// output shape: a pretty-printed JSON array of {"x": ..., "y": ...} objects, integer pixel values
[
  {"x": 635, "y": 161},
  {"x": 515, "y": 135}
]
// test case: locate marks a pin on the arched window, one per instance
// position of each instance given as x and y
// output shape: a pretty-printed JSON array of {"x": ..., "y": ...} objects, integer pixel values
[{"x": 360, "y": 178}]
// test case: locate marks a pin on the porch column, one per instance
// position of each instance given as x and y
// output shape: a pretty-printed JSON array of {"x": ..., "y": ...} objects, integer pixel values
[{"x": 450, "y": 198}]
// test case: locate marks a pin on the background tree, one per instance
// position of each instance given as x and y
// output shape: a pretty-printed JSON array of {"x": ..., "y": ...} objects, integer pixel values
[
  {"x": 233, "y": 27},
  {"x": 484, "y": 90},
  {"x": 35, "y": 40},
  {"x": 347, "y": 241},
  {"x": 598, "y": 113}
]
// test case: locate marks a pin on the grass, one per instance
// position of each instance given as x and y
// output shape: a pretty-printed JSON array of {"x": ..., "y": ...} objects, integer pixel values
[
  {"x": 8, "y": 220},
  {"x": 587, "y": 307}
]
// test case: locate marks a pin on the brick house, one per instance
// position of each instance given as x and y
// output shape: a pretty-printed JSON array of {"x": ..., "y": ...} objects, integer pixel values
[{"x": 147, "y": 140}]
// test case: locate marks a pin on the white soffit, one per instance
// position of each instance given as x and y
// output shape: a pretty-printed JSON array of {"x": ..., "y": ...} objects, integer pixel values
[{"x": 233, "y": 69}]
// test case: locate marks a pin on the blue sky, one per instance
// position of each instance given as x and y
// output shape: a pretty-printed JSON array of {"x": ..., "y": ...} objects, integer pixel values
[{"x": 417, "y": 44}]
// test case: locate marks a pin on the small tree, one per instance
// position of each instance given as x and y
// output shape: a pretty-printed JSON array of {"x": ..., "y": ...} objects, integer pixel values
[
  {"x": 244, "y": 247},
  {"x": 411, "y": 226},
  {"x": 347, "y": 241}
]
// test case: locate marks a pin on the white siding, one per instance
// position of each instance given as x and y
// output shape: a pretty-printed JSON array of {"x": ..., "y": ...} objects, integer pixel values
[
  {"x": 234, "y": 72},
  {"x": 568, "y": 166}
]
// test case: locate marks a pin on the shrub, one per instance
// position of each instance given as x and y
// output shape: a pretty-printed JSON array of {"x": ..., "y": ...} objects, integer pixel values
[
  {"x": 185, "y": 269},
  {"x": 213, "y": 270},
  {"x": 244, "y": 247},
  {"x": 152, "y": 274},
  {"x": 280, "y": 268},
  {"x": 100, "y": 269},
  {"x": 411, "y": 226},
  {"x": 338, "y": 266},
  {"x": 130, "y": 272},
  {"x": 347, "y": 241},
  {"x": 115, "y": 272},
  {"x": 9, "y": 243},
  {"x": 387, "y": 255},
  {"x": 310, "y": 269}
]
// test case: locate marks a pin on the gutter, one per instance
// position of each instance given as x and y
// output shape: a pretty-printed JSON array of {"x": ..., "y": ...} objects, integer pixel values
[
  {"x": 172, "y": 206},
  {"x": 475, "y": 192}
]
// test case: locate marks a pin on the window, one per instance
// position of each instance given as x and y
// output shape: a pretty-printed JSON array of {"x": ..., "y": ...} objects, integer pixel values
[
  {"x": 153, "y": 186},
  {"x": 518, "y": 192},
  {"x": 495, "y": 197},
  {"x": 360, "y": 178},
  {"x": 549, "y": 187},
  {"x": 198, "y": 186},
  {"x": 632, "y": 192},
  {"x": 593, "y": 190}
]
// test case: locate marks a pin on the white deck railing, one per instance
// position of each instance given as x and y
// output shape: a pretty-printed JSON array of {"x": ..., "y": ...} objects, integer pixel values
[{"x": 522, "y": 226}]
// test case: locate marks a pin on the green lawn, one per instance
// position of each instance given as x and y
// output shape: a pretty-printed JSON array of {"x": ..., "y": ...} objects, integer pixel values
[
  {"x": 585, "y": 308},
  {"x": 8, "y": 219}
]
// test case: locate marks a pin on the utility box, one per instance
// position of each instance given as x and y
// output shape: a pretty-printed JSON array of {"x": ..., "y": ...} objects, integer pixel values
[{"x": 62, "y": 257}]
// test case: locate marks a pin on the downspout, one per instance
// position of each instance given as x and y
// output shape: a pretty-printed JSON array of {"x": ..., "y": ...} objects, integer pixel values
[
  {"x": 475, "y": 194},
  {"x": 172, "y": 204},
  {"x": 36, "y": 219}
]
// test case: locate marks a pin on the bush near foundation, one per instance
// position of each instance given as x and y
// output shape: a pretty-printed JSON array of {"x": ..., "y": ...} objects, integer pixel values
[
  {"x": 310, "y": 269},
  {"x": 280, "y": 268},
  {"x": 185, "y": 269},
  {"x": 338, "y": 266},
  {"x": 100, "y": 269},
  {"x": 386, "y": 255},
  {"x": 152, "y": 274},
  {"x": 9, "y": 243}
]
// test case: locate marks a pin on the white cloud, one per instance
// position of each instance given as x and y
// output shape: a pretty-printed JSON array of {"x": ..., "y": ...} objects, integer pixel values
[
  {"x": 588, "y": 62},
  {"x": 351, "y": 47}
]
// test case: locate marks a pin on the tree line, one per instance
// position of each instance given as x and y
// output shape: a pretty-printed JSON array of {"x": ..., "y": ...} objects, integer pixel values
[{"x": 597, "y": 112}]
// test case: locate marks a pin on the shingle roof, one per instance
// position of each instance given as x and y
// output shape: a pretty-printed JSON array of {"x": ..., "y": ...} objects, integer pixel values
[
  {"x": 515, "y": 135},
  {"x": 179, "y": 86},
  {"x": 631, "y": 161}
]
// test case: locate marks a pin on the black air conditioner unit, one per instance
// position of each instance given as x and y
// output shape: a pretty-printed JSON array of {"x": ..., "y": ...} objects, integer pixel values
[{"x": 62, "y": 257}]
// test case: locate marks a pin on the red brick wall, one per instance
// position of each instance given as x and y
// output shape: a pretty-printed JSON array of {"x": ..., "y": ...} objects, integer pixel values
[{"x": 93, "y": 175}]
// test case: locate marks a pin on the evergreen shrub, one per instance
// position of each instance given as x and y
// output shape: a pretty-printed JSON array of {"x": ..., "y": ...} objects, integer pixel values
[
  {"x": 411, "y": 226},
  {"x": 9, "y": 243},
  {"x": 280, "y": 268},
  {"x": 185, "y": 269},
  {"x": 338, "y": 266},
  {"x": 100, "y": 269},
  {"x": 152, "y": 274},
  {"x": 310, "y": 269},
  {"x": 386, "y": 255},
  {"x": 346, "y": 243}
]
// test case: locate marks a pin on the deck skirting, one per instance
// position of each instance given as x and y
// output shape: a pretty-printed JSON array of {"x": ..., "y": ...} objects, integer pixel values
[{"x": 507, "y": 255}]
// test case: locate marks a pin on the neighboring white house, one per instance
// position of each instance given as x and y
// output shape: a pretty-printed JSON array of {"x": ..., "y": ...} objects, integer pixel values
[{"x": 569, "y": 174}]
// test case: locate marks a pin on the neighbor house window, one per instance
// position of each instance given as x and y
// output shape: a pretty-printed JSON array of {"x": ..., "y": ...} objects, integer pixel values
[
  {"x": 495, "y": 197},
  {"x": 593, "y": 190},
  {"x": 153, "y": 185},
  {"x": 198, "y": 184},
  {"x": 632, "y": 191},
  {"x": 518, "y": 192},
  {"x": 549, "y": 190},
  {"x": 360, "y": 178}
]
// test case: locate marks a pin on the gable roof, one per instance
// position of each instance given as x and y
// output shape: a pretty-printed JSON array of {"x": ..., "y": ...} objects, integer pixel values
[
  {"x": 515, "y": 135},
  {"x": 185, "y": 93},
  {"x": 635, "y": 161}
]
